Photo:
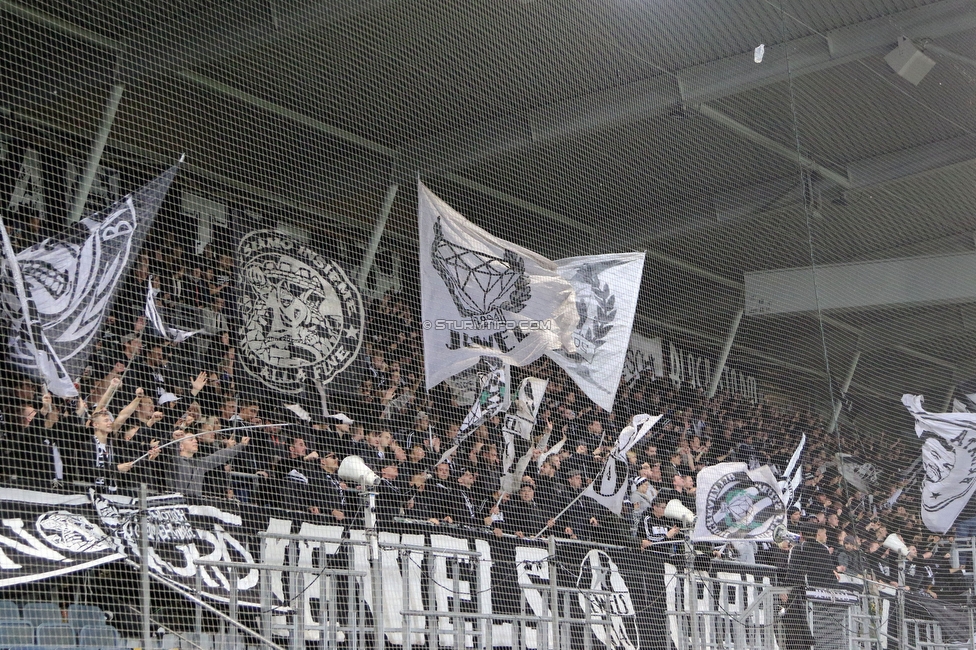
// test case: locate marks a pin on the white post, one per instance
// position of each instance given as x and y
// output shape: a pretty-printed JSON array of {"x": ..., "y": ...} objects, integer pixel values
[
  {"x": 376, "y": 569},
  {"x": 692, "y": 588},
  {"x": 722, "y": 358},
  {"x": 553, "y": 592},
  {"x": 902, "y": 625},
  {"x": 108, "y": 118},
  {"x": 144, "y": 566},
  {"x": 843, "y": 391}
]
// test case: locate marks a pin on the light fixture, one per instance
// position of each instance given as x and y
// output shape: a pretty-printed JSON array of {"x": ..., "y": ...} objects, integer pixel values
[
  {"x": 908, "y": 61},
  {"x": 354, "y": 470},
  {"x": 783, "y": 534},
  {"x": 894, "y": 542}
]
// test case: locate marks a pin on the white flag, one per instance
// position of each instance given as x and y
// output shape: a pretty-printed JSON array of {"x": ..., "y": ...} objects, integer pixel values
[
  {"x": 484, "y": 296},
  {"x": 27, "y": 328},
  {"x": 631, "y": 434},
  {"x": 949, "y": 457},
  {"x": 860, "y": 474},
  {"x": 493, "y": 398},
  {"x": 611, "y": 487},
  {"x": 736, "y": 503},
  {"x": 169, "y": 333},
  {"x": 71, "y": 279},
  {"x": 607, "y": 288},
  {"x": 792, "y": 476}
]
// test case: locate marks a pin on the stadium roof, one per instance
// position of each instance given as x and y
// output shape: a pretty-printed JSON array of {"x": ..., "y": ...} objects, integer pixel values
[{"x": 576, "y": 128}]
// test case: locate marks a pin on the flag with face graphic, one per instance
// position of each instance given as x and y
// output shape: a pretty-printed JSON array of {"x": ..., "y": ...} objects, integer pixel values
[
  {"x": 607, "y": 287},
  {"x": 484, "y": 296},
  {"x": 302, "y": 318},
  {"x": 69, "y": 283},
  {"x": 949, "y": 458}
]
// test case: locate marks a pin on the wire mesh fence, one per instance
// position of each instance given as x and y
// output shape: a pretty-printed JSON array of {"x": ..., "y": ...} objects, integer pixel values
[{"x": 355, "y": 429}]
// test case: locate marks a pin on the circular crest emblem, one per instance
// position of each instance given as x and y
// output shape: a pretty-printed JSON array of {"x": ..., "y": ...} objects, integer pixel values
[
  {"x": 740, "y": 508},
  {"x": 302, "y": 316}
]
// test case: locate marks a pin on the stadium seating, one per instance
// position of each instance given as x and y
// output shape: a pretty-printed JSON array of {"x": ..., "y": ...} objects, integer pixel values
[
  {"x": 55, "y": 634},
  {"x": 81, "y": 615},
  {"x": 101, "y": 635},
  {"x": 16, "y": 633},
  {"x": 41, "y": 613},
  {"x": 9, "y": 610}
]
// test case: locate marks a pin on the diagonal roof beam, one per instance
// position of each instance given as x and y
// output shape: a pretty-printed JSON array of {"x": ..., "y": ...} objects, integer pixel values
[
  {"x": 219, "y": 32},
  {"x": 631, "y": 107},
  {"x": 695, "y": 85}
]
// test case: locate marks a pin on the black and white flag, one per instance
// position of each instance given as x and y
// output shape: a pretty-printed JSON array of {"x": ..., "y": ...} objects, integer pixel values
[
  {"x": 734, "y": 502},
  {"x": 26, "y": 327},
  {"x": 519, "y": 425},
  {"x": 168, "y": 332},
  {"x": 302, "y": 317},
  {"x": 69, "y": 284},
  {"x": 859, "y": 473},
  {"x": 949, "y": 458},
  {"x": 607, "y": 288},
  {"x": 484, "y": 296},
  {"x": 611, "y": 487},
  {"x": 792, "y": 475},
  {"x": 494, "y": 397}
]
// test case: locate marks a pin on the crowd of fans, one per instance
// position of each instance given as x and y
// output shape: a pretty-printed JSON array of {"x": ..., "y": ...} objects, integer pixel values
[{"x": 142, "y": 393}]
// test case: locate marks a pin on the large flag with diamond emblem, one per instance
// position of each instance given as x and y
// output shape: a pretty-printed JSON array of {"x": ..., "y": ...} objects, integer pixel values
[
  {"x": 484, "y": 296},
  {"x": 606, "y": 287}
]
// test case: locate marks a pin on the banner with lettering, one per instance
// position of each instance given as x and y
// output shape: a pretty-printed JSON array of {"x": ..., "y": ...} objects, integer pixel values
[{"x": 43, "y": 535}]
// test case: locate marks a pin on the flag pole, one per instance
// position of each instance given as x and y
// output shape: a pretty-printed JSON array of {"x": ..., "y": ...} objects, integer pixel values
[
  {"x": 611, "y": 457},
  {"x": 561, "y": 513},
  {"x": 203, "y": 433}
]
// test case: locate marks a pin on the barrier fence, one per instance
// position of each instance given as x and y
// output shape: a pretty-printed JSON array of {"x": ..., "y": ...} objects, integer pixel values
[{"x": 258, "y": 579}]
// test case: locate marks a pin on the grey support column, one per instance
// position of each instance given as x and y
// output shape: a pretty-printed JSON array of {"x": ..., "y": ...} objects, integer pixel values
[
  {"x": 722, "y": 358},
  {"x": 947, "y": 405},
  {"x": 374, "y": 240},
  {"x": 843, "y": 390},
  {"x": 95, "y": 157}
]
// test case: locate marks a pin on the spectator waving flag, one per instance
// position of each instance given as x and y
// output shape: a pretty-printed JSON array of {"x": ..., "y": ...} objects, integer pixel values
[
  {"x": 493, "y": 398},
  {"x": 611, "y": 487},
  {"x": 67, "y": 285},
  {"x": 949, "y": 458},
  {"x": 484, "y": 296},
  {"x": 607, "y": 287},
  {"x": 520, "y": 423},
  {"x": 792, "y": 475},
  {"x": 169, "y": 333},
  {"x": 27, "y": 328}
]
